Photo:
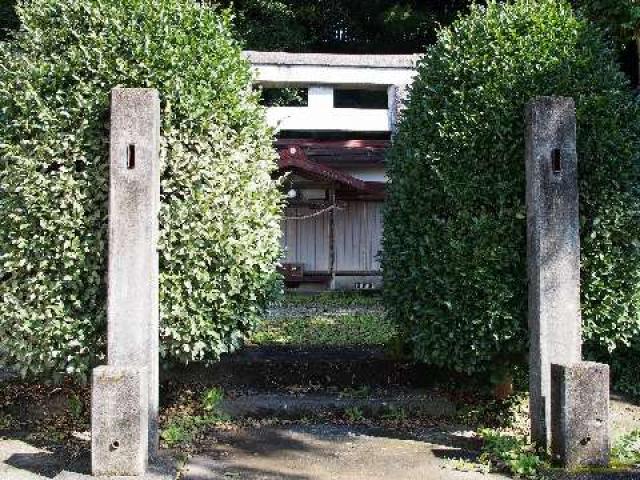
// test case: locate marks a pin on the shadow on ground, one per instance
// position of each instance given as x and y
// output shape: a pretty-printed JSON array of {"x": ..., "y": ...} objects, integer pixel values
[
  {"x": 332, "y": 452},
  {"x": 19, "y": 457}
]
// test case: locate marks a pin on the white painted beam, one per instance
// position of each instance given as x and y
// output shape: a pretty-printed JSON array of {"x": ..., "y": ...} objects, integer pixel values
[
  {"x": 332, "y": 59},
  {"x": 336, "y": 119},
  {"x": 355, "y": 77}
]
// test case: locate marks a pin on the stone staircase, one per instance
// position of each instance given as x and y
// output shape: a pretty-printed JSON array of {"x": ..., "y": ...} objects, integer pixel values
[{"x": 294, "y": 383}]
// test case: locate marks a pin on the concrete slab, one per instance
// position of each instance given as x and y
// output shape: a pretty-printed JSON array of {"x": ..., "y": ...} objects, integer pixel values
[
  {"x": 161, "y": 469},
  {"x": 328, "y": 452},
  {"x": 21, "y": 461}
]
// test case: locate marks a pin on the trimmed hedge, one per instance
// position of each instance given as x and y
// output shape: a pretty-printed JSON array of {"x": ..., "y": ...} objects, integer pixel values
[
  {"x": 220, "y": 208},
  {"x": 455, "y": 224}
]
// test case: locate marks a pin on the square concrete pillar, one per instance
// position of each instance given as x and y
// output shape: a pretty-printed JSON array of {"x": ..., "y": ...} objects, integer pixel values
[
  {"x": 397, "y": 95},
  {"x": 580, "y": 414},
  {"x": 553, "y": 248},
  {"x": 134, "y": 203},
  {"x": 119, "y": 421}
]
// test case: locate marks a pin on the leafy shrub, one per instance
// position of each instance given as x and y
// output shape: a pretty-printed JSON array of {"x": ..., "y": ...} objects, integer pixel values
[
  {"x": 510, "y": 453},
  {"x": 455, "y": 228},
  {"x": 621, "y": 18},
  {"x": 220, "y": 208}
]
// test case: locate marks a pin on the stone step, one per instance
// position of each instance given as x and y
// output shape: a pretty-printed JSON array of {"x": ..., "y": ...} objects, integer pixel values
[
  {"x": 265, "y": 367},
  {"x": 395, "y": 404}
]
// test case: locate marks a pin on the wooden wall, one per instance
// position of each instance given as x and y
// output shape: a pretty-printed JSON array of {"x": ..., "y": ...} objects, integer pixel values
[
  {"x": 358, "y": 237},
  {"x": 358, "y": 230},
  {"x": 306, "y": 241}
]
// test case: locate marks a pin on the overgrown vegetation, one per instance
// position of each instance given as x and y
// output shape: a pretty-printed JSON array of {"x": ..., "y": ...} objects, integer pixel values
[
  {"x": 330, "y": 299},
  {"x": 511, "y": 414},
  {"x": 220, "y": 208},
  {"x": 455, "y": 226},
  {"x": 354, "y": 414},
  {"x": 511, "y": 453},
  {"x": 626, "y": 451},
  {"x": 326, "y": 330},
  {"x": 187, "y": 421},
  {"x": 327, "y": 319}
]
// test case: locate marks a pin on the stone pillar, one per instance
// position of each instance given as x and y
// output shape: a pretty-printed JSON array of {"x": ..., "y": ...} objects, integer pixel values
[
  {"x": 397, "y": 95},
  {"x": 134, "y": 202},
  {"x": 580, "y": 414},
  {"x": 119, "y": 422},
  {"x": 553, "y": 244}
]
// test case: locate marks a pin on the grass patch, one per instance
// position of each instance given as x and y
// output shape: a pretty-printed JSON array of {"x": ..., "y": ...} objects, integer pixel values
[
  {"x": 512, "y": 453},
  {"x": 6, "y": 421},
  {"x": 326, "y": 330},
  {"x": 354, "y": 414},
  {"x": 626, "y": 451},
  {"x": 331, "y": 299},
  {"x": 184, "y": 430},
  {"x": 505, "y": 446},
  {"x": 189, "y": 420},
  {"x": 361, "y": 392}
]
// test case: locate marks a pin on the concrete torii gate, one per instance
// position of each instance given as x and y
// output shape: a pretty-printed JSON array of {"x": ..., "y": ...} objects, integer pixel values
[
  {"x": 333, "y": 197},
  {"x": 569, "y": 398},
  {"x": 322, "y": 74}
]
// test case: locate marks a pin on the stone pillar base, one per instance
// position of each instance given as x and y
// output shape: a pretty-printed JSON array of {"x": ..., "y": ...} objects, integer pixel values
[
  {"x": 580, "y": 414},
  {"x": 119, "y": 422}
]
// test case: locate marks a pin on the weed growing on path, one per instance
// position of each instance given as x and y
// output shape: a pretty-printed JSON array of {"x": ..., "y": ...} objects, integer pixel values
[
  {"x": 626, "y": 451},
  {"x": 511, "y": 453}
]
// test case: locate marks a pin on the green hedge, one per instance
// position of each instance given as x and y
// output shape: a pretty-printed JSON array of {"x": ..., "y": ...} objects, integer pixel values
[
  {"x": 220, "y": 207},
  {"x": 455, "y": 223}
]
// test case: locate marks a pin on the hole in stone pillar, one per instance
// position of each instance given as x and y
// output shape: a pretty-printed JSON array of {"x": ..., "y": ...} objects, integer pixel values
[
  {"x": 131, "y": 157},
  {"x": 115, "y": 445},
  {"x": 585, "y": 440},
  {"x": 556, "y": 161}
]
